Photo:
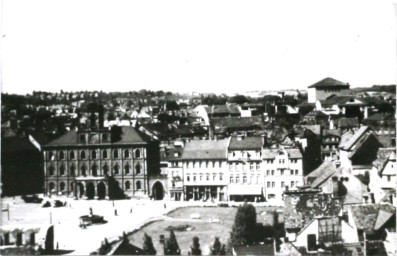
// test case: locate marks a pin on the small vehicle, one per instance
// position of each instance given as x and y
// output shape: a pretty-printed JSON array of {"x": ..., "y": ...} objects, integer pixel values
[{"x": 32, "y": 199}]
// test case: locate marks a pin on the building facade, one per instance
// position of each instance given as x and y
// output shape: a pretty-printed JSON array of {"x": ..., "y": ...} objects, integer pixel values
[
  {"x": 96, "y": 162},
  {"x": 205, "y": 170},
  {"x": 327, "y": 87}
]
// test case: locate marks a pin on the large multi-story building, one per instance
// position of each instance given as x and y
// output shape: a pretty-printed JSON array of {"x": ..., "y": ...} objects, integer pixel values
[
  {"x": 327, "y": 87},
  {"x": 97, "y": 162},
  {"x": 246, "y": 174},
  {"x": 205, "y": 169}
]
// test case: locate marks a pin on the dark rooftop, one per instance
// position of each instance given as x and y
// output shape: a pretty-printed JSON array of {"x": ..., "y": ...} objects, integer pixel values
[{"x": 329, "y": 82}]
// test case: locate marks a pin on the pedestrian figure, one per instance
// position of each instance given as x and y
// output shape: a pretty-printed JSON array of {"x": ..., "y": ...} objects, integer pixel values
[
  {"x": 57, "y": 246},
  {"x": 165, "y": 206},
  {"x": 91, "y": 213},
  {"x": 131, "y": 210},
  {"x": 115, "y": 212}
]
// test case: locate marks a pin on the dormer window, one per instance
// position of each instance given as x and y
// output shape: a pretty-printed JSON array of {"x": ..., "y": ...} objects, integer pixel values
[
  {"x": 126, "y": 153},
  {"x": 82, "y": 154},
  {"x": 137, "y": 153},
  {"x": 105, "y": 154},
  {"x": 72, "y": 156},
  {"x": 61, "y": 155},
  {"x": 116, "y": 153}
]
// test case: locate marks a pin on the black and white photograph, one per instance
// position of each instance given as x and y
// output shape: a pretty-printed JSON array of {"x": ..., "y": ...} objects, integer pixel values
[{"x": 186, "y": 127}]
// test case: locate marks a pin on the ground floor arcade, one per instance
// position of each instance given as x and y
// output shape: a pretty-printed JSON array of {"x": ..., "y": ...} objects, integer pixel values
[{"x": 205, "y": 193}]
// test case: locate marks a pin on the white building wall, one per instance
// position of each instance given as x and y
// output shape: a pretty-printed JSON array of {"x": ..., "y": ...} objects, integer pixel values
[
  {"x": 349, "y": 233},
  {"x": 311, "y": 95},
  {"x": 301, "y": 239}
]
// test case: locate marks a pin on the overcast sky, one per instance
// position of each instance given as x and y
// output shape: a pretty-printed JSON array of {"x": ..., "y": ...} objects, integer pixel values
[{"x": 205, "y": 46}]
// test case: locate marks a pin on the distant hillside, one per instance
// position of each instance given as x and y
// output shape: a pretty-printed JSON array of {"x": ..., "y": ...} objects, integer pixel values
[{"x": 377, "y": 88}]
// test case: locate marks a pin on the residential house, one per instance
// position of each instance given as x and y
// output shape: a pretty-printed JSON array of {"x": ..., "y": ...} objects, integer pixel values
[
  {"x": 225, "y": 126},
  {"x": 358, "y": 149},
  {"x": 338, "y": 182},
  {"x": 329, "y": 144},
  {"x": 383, "y": 178},
  {"x": 208, "y": 112},
  {"x": 384, "y": 125},
  {"x": 283, "y": 171}
]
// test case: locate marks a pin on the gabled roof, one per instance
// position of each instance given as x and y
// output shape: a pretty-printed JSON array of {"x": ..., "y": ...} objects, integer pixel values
[
  {"x": 237, "y": 122},
  {"x": 128, "y": 136},
  {"x": 378, "y": 117},
  {"x": 324, "y": 176},
  {"x": 222, "y": 109},
  {"x": 352, "y": 139},
  {"x": 334, "y": 132},
  {"x": 371, "y": 217},
  {"x": 301, "y": 209},
  {"x": 329, "y": 82},
  {"x": 325, "y": 167},
  {"x": 246, "y": 143},
  {"x": 271, "y": 153},
  {"x": 205, "y": 149},
  {"x": 348, "y": 122}
]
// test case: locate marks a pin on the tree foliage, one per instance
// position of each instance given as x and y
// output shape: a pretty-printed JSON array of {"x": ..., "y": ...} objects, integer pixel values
[
  {"x": 218, "y": 248},
  {"x": 195, "y": 247},
  {"x": 243, "y": 230},
  {"x": 171, "y": 246},
  {"x": 148, "y": 247}
]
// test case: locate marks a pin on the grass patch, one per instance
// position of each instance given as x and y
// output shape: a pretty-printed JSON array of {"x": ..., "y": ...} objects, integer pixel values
[{"x": 205, "y": 231}]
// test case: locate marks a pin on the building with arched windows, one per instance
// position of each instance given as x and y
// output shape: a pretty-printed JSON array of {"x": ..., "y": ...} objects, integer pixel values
[{"x": 94, "y": 161}]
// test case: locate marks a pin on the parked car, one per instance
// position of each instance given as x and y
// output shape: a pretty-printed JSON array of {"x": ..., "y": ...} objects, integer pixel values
[{"x": 32, "y": 199}]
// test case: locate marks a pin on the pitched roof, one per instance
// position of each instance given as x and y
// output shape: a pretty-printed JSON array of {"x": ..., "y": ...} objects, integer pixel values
[
  {"x": 271, "y": 153},
  {"x": 348, "y": 122},
  {"x": 367, "y": 217},
  {"x": 222, "y": 109},
  {"x": 378, "y": 117},
  {"x": 327, "y": 82},
  {"x": 205, "y": 149},
  {"x": 237, "y": 122},
  {"x": 352, "y": 138},
  {"x": 246, "y": 143},
  {"x": 334, "y": 132},
  {"x": 128, "y": 136},
  {"x": 326, "y": 166},
  {"x": 300, "y": 209},
  {"x": 326, "y": 173}
]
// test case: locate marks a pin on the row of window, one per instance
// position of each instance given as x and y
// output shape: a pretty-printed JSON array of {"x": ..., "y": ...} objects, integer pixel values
[
  {"x": 283, "y": 184},
  {"x": 207, "y": 177},
  {"x": 62, "y": 185},
  {"x": 283, "y": 172},
  {"x": 201, "y": 164},
  {"x": 252, "y": 179},
  {"x": 242, "y": 166},
  {"x": 93, "y": 154},
  {"x": 94, "y": 170}
]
